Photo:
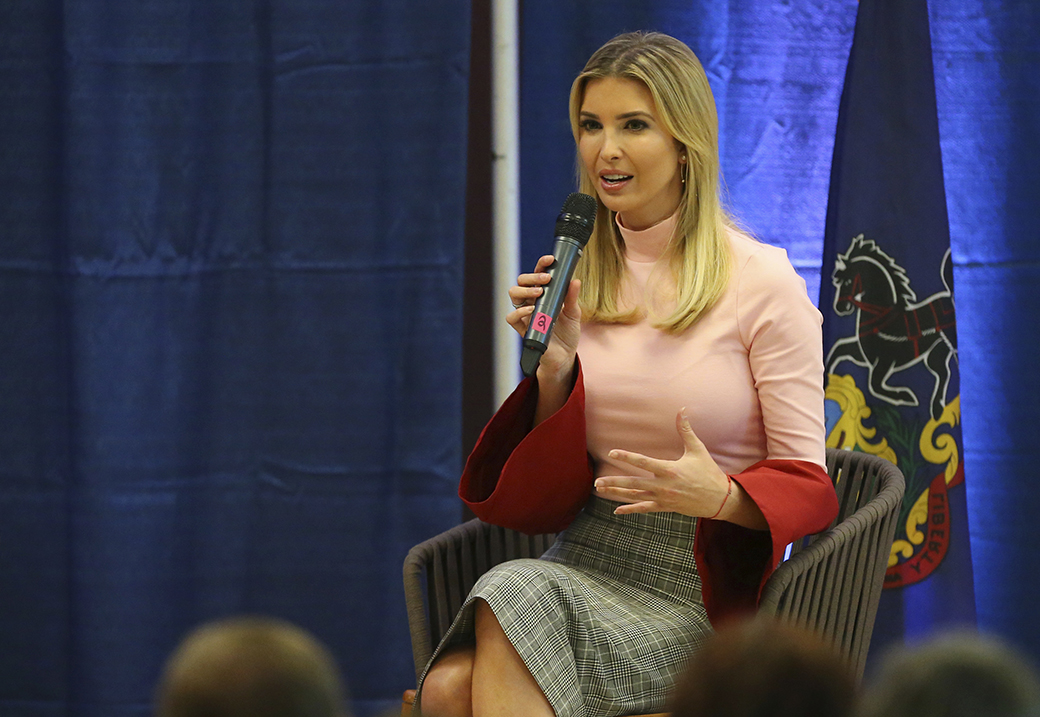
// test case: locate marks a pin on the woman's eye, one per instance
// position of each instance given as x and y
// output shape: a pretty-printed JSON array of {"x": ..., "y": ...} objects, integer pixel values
[
  {"x": 636, "y": 125},
  {"x": 589, "y": 125}
]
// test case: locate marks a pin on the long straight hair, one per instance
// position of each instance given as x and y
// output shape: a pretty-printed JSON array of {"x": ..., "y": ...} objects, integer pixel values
[{"x": 698, "y": 254}]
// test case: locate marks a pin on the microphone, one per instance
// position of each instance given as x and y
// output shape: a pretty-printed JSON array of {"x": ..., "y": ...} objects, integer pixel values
[{"x": 573, "y": 229}]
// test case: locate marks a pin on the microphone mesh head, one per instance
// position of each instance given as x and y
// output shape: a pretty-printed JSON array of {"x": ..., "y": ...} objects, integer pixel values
[{"x": 577, "y": 217}]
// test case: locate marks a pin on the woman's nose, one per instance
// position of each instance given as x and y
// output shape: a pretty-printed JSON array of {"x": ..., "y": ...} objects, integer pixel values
[{"x": 611, "y": 148}]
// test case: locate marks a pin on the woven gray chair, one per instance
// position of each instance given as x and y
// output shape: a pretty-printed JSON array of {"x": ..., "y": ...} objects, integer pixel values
[{"x": 830, "y": 584}]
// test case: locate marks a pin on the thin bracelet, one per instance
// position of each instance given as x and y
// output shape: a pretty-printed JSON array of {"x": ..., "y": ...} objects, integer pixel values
[{"x": 729, "y": 490}]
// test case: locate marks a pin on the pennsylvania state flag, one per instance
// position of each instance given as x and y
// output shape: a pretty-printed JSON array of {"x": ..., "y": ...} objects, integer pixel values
[{"x": 890, "y": 336}]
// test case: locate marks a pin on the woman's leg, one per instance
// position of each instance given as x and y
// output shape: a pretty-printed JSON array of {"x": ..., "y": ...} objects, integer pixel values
[
  {"x": 447, "y": 688},
  {"x": 501, "y": 683}
]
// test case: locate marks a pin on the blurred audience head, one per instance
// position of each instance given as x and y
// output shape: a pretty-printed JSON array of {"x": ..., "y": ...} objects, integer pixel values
[
  {"x": 764, "y": 668},
  {"x": 250, "y": 667},
  {"x": 956, "y": 675}
]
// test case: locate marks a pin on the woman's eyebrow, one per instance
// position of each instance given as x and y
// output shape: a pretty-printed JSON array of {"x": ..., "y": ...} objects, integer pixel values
[
  {"x": 585, "y": 114},
  {"x": 622, "y": 116}
]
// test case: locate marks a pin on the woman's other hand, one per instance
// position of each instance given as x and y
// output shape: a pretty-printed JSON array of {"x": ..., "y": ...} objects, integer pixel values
[{"x": 694, "y": 485}]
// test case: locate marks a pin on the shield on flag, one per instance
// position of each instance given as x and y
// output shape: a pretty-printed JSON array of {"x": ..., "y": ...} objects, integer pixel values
[{"x": 887, "y": 407}]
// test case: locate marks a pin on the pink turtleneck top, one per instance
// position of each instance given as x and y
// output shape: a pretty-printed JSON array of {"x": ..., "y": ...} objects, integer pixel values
[{"x": 749, "y": 372}]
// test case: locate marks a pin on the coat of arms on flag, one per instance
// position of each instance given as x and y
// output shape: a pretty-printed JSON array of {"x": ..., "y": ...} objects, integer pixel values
[{"x": 893, "y": 333}]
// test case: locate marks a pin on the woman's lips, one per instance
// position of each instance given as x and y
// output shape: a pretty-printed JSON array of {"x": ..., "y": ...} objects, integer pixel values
[{"x": 613, "y": 181}]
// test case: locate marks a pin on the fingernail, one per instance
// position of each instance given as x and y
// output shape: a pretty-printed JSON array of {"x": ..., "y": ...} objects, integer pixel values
[
  {"x": 685, "y": 418},
  {"x": 614, "y": 454}
]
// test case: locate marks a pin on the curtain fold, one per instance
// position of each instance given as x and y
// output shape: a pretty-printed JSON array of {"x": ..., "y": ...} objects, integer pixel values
[{"x": 231, "y": 307}]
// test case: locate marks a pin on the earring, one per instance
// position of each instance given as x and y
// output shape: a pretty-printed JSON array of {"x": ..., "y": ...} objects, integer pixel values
[{"x": 683, "y": 168}]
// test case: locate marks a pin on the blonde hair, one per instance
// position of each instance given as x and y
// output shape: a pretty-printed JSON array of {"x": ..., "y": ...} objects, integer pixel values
[{"x": 698, "y": 255}]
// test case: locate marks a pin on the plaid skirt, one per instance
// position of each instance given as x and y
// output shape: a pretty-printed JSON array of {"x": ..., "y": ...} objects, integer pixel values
[{"x": 607, "y": 619}]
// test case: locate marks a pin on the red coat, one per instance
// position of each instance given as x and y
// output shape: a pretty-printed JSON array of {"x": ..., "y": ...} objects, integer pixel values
[{"x": 538, "y": 480}]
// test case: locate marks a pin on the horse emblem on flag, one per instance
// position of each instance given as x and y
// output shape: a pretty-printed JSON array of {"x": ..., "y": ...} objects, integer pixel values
[{"x": 909, "y": 417}]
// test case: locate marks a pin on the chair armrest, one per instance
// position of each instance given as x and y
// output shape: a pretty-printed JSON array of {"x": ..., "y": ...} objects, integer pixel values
[{"x": 833, "y": 585}]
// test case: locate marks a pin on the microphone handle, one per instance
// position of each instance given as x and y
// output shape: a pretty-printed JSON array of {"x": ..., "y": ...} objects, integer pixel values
[{"x": 566, "y": 252}]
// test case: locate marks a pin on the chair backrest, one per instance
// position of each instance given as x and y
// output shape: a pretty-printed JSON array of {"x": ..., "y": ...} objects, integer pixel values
[{"x": 830, "y": 584}]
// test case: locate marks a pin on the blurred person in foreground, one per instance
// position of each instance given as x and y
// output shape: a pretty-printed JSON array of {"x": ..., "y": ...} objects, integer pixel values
[
  {"x": 765, "y": 668},
  {"x": 251, "y": 667},
  {"x": 961, "y": 674}
]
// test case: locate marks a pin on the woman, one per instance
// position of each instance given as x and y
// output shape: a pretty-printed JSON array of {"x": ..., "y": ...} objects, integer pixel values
[{"x": 674, "y": 427}]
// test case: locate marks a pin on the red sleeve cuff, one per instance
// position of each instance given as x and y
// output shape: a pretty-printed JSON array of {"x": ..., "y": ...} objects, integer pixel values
[
  {"x": 532, "y": 480},
  {"x": 797, "y": 498}
]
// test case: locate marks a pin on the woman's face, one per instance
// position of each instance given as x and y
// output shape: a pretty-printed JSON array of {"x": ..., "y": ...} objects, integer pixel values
[{"x": 632, "y": 160}]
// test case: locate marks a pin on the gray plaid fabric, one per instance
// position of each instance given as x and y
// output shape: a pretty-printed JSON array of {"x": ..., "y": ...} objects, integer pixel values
[{"x": 607, "y": 618}]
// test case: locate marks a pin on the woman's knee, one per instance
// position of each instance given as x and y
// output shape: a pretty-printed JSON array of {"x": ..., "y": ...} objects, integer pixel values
[
  {"x": 487, "y": 626},
  {"x": 447, "y": 687}
]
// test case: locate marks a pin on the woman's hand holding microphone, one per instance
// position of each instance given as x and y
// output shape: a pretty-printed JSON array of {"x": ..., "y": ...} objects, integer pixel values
[{"x": 557, "y": 365}]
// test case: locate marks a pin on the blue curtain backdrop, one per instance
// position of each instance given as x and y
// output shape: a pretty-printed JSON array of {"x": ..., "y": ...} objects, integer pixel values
[
  {"x": 777, "y": 69},
  {"x": 230, "y": 240}
]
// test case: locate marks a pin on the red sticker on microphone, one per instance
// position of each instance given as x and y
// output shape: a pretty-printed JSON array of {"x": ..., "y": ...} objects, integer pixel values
[{"x": 542, "y": 322}]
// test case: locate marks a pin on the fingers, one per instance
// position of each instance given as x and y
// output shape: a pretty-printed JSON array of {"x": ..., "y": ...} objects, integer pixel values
[
  {"x": 688, "y": 485},
  {"x": 520, "y": 318},
  {"x": 644, "y": 507},
  {"x": 570, "y": 302},
  {"x": 544, "y": 262},
  {"x": 623, "y": 495},
  {"x": 525, "y": 295},
  {"x": 690, "y": 439},
  {"x": 526, "y": 292},
  {"x": 530, "y": 286},
  {"x": 633, "y": 499},
  {"x": 653, "y": 465},
  {"x": 631, "y": 484}
]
